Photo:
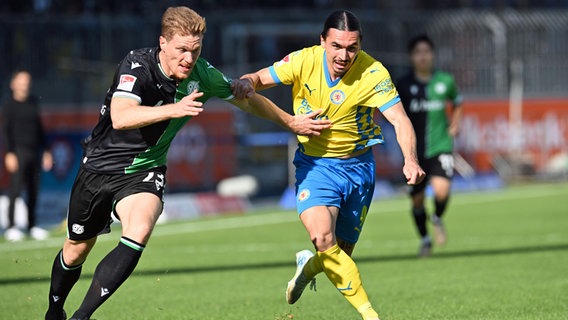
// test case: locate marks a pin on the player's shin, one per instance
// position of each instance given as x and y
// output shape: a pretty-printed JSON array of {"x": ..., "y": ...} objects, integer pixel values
[
  {"x": 63, "y": 278},
  {"x": 343, "y": 273},
  {"x": 111, "y": 272}
]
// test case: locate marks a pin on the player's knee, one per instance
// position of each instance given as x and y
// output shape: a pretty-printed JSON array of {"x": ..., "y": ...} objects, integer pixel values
[
  {"x": 323, "y": 240},
  {"x": 76, "y": 252}
]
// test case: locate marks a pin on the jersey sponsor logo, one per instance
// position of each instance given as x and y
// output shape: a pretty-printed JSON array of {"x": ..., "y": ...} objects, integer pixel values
[
  {"x": 421, "y": 105},
  {"x": 134, "y": 65},
  {"x": 303, "y": 195},
  {"x": 77, "y": 228},
  {"x": 192, "y": 86},
  {"x": 384, "y": 86},
  {"x": 126, "y": 82},
  {"x": 337, "y": 96}
]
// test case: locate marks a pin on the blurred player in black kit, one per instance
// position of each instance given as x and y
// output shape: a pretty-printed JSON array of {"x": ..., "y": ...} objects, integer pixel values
[{"x": 26, "y": 153}]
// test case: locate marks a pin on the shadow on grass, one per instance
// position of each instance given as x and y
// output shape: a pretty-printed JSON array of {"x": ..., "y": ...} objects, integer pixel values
[{"x": 288, "y": 263}]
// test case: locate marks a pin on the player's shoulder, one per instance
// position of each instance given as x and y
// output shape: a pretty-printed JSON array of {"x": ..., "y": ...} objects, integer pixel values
[
  {"x": 307, "y": 53},
  {"x": 143, "y": 55},
  {"x": 370, "y": 67}
]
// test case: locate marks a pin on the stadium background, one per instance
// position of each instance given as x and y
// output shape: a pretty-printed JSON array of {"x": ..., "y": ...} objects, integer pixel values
[{"x": 508, "y": 57}]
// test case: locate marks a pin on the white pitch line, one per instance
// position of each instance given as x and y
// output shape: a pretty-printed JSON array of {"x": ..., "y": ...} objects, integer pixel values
[{"x": 280, "y": 217}]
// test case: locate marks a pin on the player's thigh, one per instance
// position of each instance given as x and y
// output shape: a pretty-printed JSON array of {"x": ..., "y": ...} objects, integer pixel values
[
  {"x": 442, "y": 171},
  {"x": 90, "y": 206},
  {"x": 138, "y": 204},
  {"x": 138, "y": 214}
]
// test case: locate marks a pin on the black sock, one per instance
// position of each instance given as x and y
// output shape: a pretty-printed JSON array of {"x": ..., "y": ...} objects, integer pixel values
[
  {"x": 420, "y": 221},
  {"x": 111, "y": 272},
  {"x": 63, "y": 278},
  {"x": 440, "y": 207}
]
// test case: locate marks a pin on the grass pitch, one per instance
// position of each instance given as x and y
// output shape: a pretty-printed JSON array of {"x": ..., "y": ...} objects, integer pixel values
[{"x": 506, "y": 258}]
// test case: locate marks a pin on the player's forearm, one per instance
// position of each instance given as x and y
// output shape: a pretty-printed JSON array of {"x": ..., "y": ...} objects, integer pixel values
[
  {"x": 457, "y": 114},
  {"x": 406, "y": 139},
  {"x": 260, "y": 80},
  {"x": 134, "y": 117},
  {"x": 262, "y": 107}
]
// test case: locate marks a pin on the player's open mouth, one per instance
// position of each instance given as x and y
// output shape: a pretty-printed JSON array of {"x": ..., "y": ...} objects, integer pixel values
[
  {"x": 341, "y": 64},
  {"x": 185, "y": 69}
]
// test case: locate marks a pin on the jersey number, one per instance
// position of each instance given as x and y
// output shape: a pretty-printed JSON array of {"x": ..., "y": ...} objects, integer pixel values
[{"x": 157, "y": 178}]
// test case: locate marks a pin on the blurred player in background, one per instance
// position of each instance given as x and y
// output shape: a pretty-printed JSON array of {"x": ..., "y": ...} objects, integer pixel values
[
  {"x": 335, "y": 171},
  {"x": 154, "y": 92},
  {"x": 26, "y": 153},
  {"x": 425, "y": 93}
]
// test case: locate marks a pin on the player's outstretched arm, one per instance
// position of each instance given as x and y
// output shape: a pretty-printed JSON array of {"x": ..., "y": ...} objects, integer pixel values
[
  {"x": 256, "y": 81},
  {"x": 304, "y": 124},
  {"x": 127, "y": 113},
  {"x": 407, "y": 141}
]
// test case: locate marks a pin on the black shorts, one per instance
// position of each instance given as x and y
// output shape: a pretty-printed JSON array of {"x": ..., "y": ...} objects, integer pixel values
[
  {"x": 95, "y": 195},
  {"x": 441, "y": 165}
]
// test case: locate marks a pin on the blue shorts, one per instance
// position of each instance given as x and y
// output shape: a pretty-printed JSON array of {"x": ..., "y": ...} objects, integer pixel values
[{"x": 344, "y": 183}]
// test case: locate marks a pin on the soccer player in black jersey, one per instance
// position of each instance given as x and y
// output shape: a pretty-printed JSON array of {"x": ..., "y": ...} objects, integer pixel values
[
  {"x": 154, "y": 92},
  {"x": 425, "y": 93}
]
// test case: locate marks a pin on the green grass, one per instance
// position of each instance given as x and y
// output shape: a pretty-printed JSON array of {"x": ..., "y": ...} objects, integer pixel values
[{"x": 507, "y": 258}]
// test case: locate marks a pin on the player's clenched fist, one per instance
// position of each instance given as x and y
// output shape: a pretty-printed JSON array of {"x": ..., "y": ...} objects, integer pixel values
[{"x": 188, "y": 106}]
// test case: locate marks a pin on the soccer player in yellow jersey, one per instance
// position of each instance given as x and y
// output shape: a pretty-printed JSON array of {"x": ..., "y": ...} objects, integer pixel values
[{"x": 335, "y": 171}]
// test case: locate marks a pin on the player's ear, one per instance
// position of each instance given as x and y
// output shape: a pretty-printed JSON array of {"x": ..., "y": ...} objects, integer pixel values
[
  {"x": 322, "y": 41},
  {"x": 163, "y": 42}
]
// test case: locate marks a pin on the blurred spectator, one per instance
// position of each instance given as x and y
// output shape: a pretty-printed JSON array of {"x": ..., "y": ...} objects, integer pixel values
[{"x": 25, "y": 153}]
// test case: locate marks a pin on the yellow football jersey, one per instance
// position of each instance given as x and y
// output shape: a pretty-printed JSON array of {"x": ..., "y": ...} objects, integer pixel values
[{"x": 349, "y": 102}]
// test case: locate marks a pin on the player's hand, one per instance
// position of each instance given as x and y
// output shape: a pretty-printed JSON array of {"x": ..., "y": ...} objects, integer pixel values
[
  {"x": 308, "y": 125},
  {"x": 188, "y": 106},
  {"x": 242, "y": 88},
  {"x": 47, "y": 161},
  {"x": 11, "y": 162},
  {"x": 413, "y": 172}
]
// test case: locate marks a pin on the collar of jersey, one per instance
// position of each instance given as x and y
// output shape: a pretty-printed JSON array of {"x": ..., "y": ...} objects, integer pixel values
[
  {"x": 163, "y": 72},
  {"x": 330, "y": 83}
]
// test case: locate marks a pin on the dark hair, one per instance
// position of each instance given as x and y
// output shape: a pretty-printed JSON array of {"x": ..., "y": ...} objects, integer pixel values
[
  {"x": 420, "y": 38},
  {"x": 18, "y": 71},
  {"x": 342, "y": 20}
]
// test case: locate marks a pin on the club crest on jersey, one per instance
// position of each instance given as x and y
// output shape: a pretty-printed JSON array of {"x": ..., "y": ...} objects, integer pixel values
[
  {"x": 337, "y": 97},
  {"x": 192, "y": 86},
  {"x": 303, "y": 195},
  {"x": 440, "y": 88},
  {"x": 126, "y": 82}
]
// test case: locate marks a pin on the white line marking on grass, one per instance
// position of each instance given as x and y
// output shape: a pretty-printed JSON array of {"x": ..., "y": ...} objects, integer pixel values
[{"x": 280, "y": 217}]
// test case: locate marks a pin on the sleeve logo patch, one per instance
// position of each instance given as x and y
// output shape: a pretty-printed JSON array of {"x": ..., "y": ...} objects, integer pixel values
[{"x": 126, "y": 82}]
